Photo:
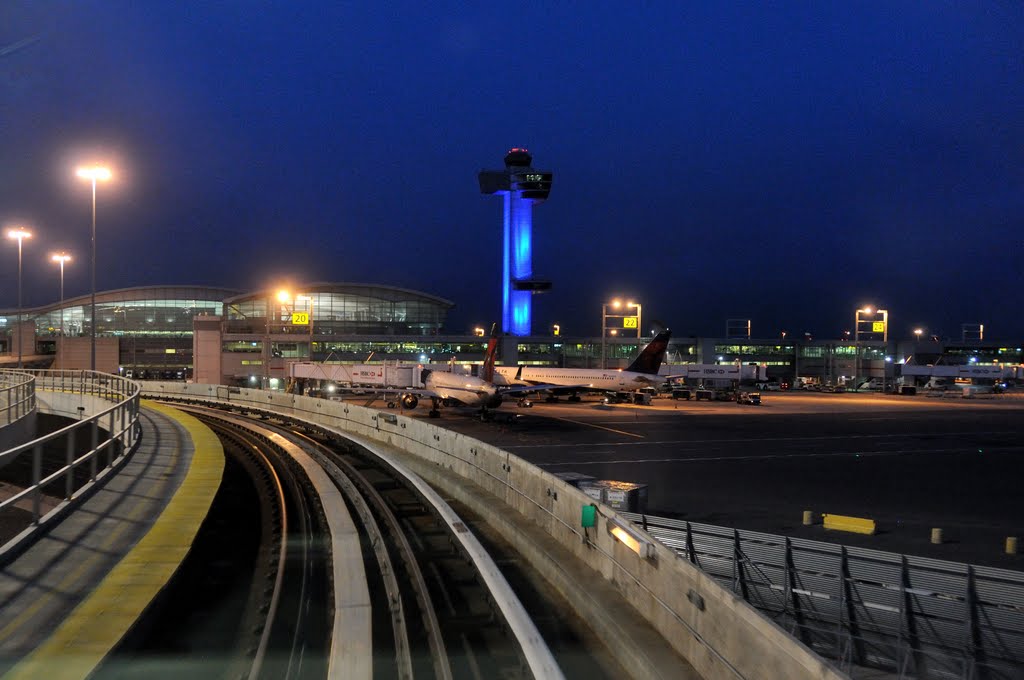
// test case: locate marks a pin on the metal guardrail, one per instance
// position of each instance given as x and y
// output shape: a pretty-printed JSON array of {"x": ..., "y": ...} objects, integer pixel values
[
  {"x": 912, "y": 616},
  {"x": 17, "y": 395},
  {"x": 110, "y": 434}
]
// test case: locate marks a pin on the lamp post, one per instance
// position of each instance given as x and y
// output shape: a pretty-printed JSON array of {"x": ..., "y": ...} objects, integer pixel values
[
  {"x": 639, "y": 316},
  {"x": 857, "y": 321},
  {"x": 61, "y": 258},
  {"x": 617, "y": 305},
  {"x": 95, "y": 173},
  {"x": 19, "y": 234}
]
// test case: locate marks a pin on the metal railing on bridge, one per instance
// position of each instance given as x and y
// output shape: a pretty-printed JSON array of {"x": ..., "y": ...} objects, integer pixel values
[
  {"x": 912, "y": 616},
  {"x": 65, "y": 464},
  {"x": 17, "y": 395}
]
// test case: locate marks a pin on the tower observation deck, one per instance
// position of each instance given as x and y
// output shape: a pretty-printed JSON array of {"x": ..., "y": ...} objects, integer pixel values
[{"x": 522, "y": 187}]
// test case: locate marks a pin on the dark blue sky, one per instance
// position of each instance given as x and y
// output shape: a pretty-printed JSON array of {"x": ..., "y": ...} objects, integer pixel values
[{"x": 785, "y": 163}]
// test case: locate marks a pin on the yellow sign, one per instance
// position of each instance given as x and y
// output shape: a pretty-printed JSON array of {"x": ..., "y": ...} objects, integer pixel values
[
  {"x": 878, "y": 327},
  {"x": 170, "y": 351},
  {"x": 300, "y": 318},
  {"x": 629, "y": 322}
]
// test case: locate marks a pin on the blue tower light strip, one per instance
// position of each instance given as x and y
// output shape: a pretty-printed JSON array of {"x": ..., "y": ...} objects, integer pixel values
[{"x": 521, "y": 187}]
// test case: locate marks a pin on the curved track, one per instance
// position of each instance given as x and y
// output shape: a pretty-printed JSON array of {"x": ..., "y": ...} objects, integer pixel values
[{"x": 433, "y": 613}]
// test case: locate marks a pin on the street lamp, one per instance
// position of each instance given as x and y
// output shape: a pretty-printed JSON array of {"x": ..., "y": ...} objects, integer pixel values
[
  {"x": 628, "y": 320},
  {"x": 19, "y": 234},
  {"x": 61, "y": 258},
  {"x": 94, "y": 173},
  {"x": 639, "y": 317},
  {"x": 872, "y": 316}
]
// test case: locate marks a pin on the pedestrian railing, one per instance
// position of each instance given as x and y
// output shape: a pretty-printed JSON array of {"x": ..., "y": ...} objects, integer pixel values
[
  {"x": 53, "y": 472},
  {"x": 909, "y": 616},
  {"x": 17, "y": 396}
]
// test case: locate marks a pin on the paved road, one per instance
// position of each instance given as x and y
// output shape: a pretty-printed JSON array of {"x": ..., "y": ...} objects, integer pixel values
[{"x": 910, "y": 463}]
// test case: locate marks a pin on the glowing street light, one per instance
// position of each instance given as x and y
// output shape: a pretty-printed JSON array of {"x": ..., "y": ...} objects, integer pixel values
[
  {"x": 617, "y": 313},
  {"x": 478, "y": 332},
  {"x": 61, "y": 258},
  {"x": 918, "y": 332},
  {"x": 93, "y": 174},
  {"x": 857, "y": 321},
  {"x": 19, "y": 234}
]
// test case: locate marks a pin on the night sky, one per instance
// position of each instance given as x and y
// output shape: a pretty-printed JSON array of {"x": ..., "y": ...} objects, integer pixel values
[{"x": 783, "y": 162}]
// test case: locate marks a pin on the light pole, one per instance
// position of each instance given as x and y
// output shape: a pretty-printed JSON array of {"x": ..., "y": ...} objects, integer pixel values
[
  {"x": 616, "y": 306},
  {"x": 19, "y": 234},
  {"x": 884, "y": 330},
  {"x": 639, "y": 317},
  {"x": 604, "y": 328},
  {"x": 61, "y": 258},
  {"x": 93, "y": 174}
]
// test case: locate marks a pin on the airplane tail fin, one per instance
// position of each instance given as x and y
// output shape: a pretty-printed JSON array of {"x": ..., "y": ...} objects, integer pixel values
[
  {"x": 651, "y": 358},
  {"x": 487, "y": 373}
]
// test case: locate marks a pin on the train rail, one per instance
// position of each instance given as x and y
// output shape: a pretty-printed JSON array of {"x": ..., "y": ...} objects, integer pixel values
[{"x": 435, "y": 605}]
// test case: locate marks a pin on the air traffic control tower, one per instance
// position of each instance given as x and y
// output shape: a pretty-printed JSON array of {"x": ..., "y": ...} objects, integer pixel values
[{"x": 523, "y": 187}]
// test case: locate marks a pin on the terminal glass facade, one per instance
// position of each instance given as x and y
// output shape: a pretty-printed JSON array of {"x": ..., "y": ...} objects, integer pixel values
[{"x": 341, "y": 309}]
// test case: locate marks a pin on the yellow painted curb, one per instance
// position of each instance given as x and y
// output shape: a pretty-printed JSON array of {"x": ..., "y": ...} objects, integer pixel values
[
  {"x": 855, "y": 525},
  {"x": 98, "y": 623}
]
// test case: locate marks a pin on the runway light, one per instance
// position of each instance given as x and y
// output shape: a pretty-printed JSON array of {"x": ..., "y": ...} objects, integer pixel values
[{"x": 630, "y": 537}]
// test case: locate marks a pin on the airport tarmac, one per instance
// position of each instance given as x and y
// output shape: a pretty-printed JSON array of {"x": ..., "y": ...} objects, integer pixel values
[{"x": 910, "y": 463}]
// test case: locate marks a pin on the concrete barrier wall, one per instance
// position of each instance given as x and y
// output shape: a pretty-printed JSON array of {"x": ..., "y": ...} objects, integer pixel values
[
  {"x": 727, "y": 638},
  {"x": 20, "y": 431},
  {"x": 67, "y": 404}
]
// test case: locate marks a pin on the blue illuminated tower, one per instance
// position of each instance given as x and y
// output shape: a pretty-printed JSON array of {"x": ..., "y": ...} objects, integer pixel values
[{"x": 522, "y": 187}]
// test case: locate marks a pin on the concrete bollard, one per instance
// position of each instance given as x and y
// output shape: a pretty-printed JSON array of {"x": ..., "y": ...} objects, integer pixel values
[
  {"x": 936, "y": 536},
  {"x": 808, "y": 518},
  {"x": 1011, "y": 545}
]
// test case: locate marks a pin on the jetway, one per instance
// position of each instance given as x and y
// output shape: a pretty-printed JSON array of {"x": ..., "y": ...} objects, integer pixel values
[
  {"x": 965, "y": 371},
  {"x": 716, "y": 371},
  {"x": 373, "y": 375}
]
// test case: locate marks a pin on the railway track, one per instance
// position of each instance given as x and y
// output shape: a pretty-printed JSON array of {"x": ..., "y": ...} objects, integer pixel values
[{"x": 432, "y": 614}]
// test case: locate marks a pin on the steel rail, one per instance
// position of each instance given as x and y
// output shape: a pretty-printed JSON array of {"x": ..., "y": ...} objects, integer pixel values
[
  {"x": 247, "y": 440},
  {"x": 358, "y": 490}
]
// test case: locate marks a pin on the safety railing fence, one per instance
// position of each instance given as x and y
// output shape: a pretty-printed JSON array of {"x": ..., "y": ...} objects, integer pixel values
[
  {"x": 910, "y": 616},
  {"x": 17, "y": 396},
  {"x": 54, "y": 471}
]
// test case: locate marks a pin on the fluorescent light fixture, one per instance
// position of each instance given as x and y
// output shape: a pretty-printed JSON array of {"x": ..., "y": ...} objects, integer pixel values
[{"x": 631, "y": 537}]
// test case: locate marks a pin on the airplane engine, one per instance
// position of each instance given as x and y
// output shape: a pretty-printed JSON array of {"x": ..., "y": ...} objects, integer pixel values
[
  {"x": 493, "y": 401},
  {"x": 409, "y": 401}
]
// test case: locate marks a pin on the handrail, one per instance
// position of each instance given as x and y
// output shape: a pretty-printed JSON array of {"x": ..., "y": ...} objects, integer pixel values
[
  {"x": 17, "y": 395},
  {"x": 119, "y": 422}
]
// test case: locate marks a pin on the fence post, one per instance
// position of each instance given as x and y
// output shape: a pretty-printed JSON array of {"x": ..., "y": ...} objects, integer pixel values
[
  {"x": 37, "y": 474},
  {"x": 69, "y": 457},
  {"x": 971, "y": 623},
  {"x": 94, "y": 426},
  {"x": 111, "y": 442},
  {"x": 691, "y": 554}
]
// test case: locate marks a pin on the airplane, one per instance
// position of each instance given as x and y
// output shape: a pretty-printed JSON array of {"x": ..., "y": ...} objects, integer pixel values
[
  {"x": 642, "y": 373},
  {"x": 455, "y": 389}
]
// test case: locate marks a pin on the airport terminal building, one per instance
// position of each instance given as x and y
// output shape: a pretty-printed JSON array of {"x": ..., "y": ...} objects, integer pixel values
[{"x": 225, "y": 336}]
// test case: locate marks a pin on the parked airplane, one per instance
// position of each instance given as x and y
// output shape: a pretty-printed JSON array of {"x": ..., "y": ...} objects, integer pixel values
[
  {"x": 455, "y": 389},
  {"x": 643, "y": 372}
]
